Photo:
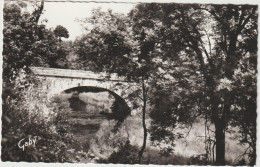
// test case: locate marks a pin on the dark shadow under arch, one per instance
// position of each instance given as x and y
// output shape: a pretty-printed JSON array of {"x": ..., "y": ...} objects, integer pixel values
[{"x": 120, "y": 109}]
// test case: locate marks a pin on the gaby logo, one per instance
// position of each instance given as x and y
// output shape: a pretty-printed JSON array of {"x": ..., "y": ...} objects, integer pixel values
[{"x": 24, "y": 143}]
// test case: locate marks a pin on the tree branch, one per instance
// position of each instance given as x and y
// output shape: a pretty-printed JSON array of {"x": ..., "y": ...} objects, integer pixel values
[{"x": 38, "y": 13}]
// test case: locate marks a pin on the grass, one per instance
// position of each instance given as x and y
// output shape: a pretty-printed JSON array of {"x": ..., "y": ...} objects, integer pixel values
[{"x": 93, "y": 132}]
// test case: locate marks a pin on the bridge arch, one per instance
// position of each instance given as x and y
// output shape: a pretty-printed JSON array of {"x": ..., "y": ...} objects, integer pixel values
[
  {"x": 59, "y": 80},
  {"x": 120, "y": 109}
]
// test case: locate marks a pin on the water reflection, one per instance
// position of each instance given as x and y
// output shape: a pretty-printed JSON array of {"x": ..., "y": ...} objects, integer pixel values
[{"x": 86, "y": 115}]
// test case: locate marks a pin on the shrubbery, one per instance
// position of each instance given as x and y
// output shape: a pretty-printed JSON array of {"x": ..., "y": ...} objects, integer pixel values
[
  {"x": 26, "y": 114},
  {"x": 127, "y": 154}
]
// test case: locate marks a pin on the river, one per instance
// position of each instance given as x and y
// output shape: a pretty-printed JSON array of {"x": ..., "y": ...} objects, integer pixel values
[{"x": 86, "y": 116}]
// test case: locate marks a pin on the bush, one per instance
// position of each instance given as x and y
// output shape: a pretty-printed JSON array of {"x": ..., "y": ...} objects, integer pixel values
[
  {"x": 28, "y": 114},
  {"x": 127, "y": 154}
]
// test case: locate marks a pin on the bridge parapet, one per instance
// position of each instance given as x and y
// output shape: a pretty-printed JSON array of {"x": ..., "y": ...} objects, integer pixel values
[{"x": 76, "y": 74}]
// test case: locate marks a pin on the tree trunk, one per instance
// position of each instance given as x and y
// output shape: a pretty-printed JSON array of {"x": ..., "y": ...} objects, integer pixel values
[
  {"x": 253, "y": 160},
  {"x": 220, "y": 127},
  {"x": 220, "y": 142},
  {"x": 143, "y": 121},
  {"x": 37, "y": 13}
]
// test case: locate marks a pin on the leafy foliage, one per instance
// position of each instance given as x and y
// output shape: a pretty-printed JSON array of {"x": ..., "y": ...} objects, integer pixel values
[
  {"x": 25, "y": 42},
  {"x": 61, "y": 31},
  {"x": 107, "y": 43},
  {"x": 127, "y": 154},
  {"x": 212, "y": 42},
  {"x": 26, "y": 111},
  {"x": 244, "y": 105},
  {"x": 185, "y": 53},
  {"x": 112, "y": 47},
  {"x": 26, "y": 115}
]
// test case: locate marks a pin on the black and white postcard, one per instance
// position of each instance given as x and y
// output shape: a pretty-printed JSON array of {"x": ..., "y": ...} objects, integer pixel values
[{"x": 129, "y": 82}]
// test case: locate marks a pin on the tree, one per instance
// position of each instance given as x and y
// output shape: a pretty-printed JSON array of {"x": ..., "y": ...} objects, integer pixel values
[
  {"x": 244, "y": 106},
  {"x": 18, "y": 37},
  {"x": 27, "y": 43},
  {"x": 37, "y": 12},
  {"x": 192, "y": 50},
  {"x": 113, "y": 47},
  {"x": 217, "y": 37},
  {"x": 61, "y": 31}
]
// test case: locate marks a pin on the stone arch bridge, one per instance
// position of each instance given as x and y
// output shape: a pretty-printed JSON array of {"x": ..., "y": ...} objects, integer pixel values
[{"x": 58, "y": 80}]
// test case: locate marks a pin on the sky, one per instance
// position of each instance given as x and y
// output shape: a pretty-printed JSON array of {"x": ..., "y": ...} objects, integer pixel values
[{"x": 66, "y": 14}]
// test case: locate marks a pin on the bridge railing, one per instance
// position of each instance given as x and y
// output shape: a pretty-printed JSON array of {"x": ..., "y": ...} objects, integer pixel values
[{"x": 79, "y": 74}]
